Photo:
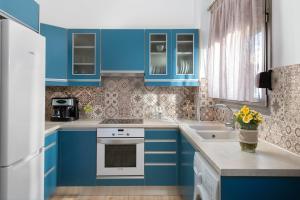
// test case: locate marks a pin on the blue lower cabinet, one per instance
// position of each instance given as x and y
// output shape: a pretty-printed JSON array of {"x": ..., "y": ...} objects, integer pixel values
[
  {"x": 186, "y": 168},
  {"x": 249, "y": 188},
  {"x": 50, "y": 170},
  {"x": 77, "y": 158},
  {"x": 161, "y": 175},
  {"x": 160, "y": 146},
  {"x": 50, "y": 183},
  {"x": 161, "y": 134},
  {"x": 161, "y": 158}
]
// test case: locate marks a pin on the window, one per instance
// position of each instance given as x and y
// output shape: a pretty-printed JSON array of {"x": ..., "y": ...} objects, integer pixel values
[{"x": 237, "y": 49}]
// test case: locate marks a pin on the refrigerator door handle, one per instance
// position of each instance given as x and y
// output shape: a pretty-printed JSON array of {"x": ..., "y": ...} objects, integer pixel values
[{"x": 27, "y": 158}]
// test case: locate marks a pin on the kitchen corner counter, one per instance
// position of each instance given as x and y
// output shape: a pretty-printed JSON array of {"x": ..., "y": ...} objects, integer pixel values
[
  {"x": 225, "y": 156},
  {"x": 228, "y": 159}
]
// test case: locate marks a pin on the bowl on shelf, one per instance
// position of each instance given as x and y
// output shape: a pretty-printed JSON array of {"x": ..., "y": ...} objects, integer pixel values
[{"x": 160, "y": 47}]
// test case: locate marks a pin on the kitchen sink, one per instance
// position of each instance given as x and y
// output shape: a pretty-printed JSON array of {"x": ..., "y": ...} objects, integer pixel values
[
  {"x": 215, "y": 132},
  {"x": 218, "y": 135},
  {"x": 210, "y": 127}
]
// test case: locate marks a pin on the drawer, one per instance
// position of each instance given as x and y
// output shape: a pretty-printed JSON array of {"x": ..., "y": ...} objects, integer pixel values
[
  {"x": 50, "y": 156},
  {"x": 160, "y": 146},
  {"x": 161, "y": 158},
  {"x": 51, "y": 138},
  {"x": 50, "y": 184},
  {"x": 161, "y": 134},
  {"x": 161, "y": 175}
]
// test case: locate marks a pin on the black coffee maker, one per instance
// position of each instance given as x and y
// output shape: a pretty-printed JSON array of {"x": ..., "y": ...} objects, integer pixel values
[{"x": 65, "y": 109}]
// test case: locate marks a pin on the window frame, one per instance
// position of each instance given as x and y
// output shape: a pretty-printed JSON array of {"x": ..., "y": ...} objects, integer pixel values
[{"x": 262, "y": 106}]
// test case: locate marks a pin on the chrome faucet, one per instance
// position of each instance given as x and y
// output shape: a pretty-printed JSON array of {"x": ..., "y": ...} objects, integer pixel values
[{"x": 231, "y": 122}]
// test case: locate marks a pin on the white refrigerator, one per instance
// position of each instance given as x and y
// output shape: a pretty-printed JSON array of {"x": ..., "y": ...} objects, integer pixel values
[{"x": 22, "y": 112}]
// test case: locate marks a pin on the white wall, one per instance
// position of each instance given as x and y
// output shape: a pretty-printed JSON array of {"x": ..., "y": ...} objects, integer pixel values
[
  {"x": 204, "y": 23},
  {"x": 120, "y": 13},
  {"x": 286, "y": 32}
]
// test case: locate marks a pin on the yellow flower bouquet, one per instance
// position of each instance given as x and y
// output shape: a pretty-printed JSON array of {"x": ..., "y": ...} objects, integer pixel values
[
  {"x": 249, "y": 120},
  {"x": 88, "y": 108}
]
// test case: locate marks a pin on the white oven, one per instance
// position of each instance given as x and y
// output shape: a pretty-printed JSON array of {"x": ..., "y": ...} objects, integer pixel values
[{"x": 120, "y": 152}]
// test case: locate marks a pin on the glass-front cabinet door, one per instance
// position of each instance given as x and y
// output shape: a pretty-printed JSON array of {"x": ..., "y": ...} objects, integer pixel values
[
  {"x": 84, "y": 54},
  {"x": 158, "y": 55},
  {"x": 185, "y": 54},
  {"x": 84, "y": 57}
]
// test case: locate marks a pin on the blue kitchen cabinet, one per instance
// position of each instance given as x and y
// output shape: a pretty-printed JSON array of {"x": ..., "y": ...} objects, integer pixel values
[
  {"x": 77, "y": 158},
  {"x": 172, "y": 57},
  {"x": 158, "y": 70},
  {"x": 84, "y": 57},
  {"x": 185, "y": 56},
  {"x": 25, "y": 11},
  {"x": 122, "y": 50},
  {"x": 161, "y": 158},
  {"x": 186, "y": 168},
  {"x": 50, "y": 165},
  {"x": 248, "y": 188},
  {"x": 56, "y": 54},
  {"x": 165, "y": 175}
]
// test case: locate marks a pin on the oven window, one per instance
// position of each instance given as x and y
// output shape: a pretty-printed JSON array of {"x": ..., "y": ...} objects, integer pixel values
[{"x": 120, "y": 155}]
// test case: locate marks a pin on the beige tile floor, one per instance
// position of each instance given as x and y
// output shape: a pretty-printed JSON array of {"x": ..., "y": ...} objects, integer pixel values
[{"x": 117, "y": 193}]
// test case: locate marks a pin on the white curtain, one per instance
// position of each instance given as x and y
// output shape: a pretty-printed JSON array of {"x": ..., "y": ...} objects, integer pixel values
[{"x": 236, "y": 49}]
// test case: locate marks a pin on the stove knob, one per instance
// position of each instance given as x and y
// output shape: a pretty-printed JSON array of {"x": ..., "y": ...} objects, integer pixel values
[
  {"x": 113, "y": 134},
  {"x": 128, "y": 134}
]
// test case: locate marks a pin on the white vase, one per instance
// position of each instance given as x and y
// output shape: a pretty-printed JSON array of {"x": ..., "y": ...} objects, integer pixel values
[{"x": 248, "y": 140}]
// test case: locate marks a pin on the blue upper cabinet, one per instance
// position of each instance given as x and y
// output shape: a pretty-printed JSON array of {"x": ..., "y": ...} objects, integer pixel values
[
  {"x": 84, "y": 57},
  {"x": 185, "y": 58},
  {"x": 56, "y": 54},
  {"x": 25, "y": 11},
  {"x": 158, "y": 57},
  {"x": 122, "y": 51},
  {"x": 172, "y": 57}
]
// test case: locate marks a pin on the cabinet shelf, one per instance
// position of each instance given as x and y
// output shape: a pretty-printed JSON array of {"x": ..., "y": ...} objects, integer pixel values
[
  {"x": 156, "y": 41},
  {"x": 84, "y": 63},
  {"x": 84, "y": 47},
  {"x": 187, "y": 41},
  {"x": 185, "y": 53},
  {"x": 158, "y": 53}
]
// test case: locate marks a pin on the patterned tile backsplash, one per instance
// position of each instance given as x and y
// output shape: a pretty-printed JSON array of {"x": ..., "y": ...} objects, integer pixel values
[
  {"x": 129, "y": 98},
  {"x": 282, "y": 127}
]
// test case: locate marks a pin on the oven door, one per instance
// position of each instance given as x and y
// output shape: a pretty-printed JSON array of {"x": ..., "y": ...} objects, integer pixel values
[{"x": 120, "y": 157}]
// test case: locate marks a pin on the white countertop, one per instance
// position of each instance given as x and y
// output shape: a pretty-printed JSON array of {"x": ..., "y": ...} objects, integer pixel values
[{"x": 225, "y": 156}]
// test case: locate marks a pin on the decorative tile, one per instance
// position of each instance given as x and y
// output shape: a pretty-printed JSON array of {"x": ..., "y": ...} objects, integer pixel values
[
  {"x": 282, "y": 127},
  {"x": 127, "y": 98}
]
